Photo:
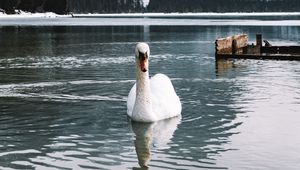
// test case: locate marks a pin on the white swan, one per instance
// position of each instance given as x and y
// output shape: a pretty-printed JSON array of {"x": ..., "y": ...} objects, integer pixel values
[{"x": 153, "y": 99}]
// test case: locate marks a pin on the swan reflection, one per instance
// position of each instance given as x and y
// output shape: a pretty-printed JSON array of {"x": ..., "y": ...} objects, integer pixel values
[{"x": 156, "y": 134}]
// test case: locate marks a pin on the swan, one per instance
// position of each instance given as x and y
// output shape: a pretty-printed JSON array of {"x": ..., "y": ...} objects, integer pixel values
[{"x": 154, "y": 99}]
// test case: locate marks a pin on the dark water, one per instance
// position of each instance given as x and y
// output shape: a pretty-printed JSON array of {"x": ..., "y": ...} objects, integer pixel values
[{"x": 63, "y": 93}]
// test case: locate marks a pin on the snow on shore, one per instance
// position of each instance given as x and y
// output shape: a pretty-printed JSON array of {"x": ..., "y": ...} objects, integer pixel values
[
  {"x": 22, "y": 14},
  {"x": 146, "y": 19}
]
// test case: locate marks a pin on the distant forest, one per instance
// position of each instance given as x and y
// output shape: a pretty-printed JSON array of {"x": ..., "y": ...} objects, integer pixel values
[
  {"x": 131, "y": 6},
  {"x": 224, "y": 5}
]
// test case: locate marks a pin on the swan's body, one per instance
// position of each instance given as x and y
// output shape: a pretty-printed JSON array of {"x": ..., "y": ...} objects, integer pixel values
[{"x": 152, "y": 99}]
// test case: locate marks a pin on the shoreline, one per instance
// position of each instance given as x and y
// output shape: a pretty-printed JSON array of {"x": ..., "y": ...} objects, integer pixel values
[
  {"x": 208, "y": 14},
  {"x": 152, "y": 19},
  {"x": 151, "y": 15}
]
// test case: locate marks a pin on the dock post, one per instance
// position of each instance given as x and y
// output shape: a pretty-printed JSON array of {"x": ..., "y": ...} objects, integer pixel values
[
  {"x": 258, "y": 40},
  {"x": 233, "y": 47}
]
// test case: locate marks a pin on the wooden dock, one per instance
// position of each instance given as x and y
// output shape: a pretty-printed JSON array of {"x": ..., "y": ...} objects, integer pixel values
[{"x": 237, "y": 47}]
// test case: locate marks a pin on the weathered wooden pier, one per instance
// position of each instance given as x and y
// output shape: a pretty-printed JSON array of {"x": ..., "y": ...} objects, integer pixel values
[{"x": 237, "y": 47}]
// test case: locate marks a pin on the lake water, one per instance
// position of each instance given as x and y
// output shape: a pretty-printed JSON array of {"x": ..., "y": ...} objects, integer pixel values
[{"x": 63, "y": 92}]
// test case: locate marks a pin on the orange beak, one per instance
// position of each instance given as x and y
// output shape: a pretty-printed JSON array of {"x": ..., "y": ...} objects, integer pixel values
[
  {"x": 143, "y": 57},
  {"x": 143, "y": 65}
]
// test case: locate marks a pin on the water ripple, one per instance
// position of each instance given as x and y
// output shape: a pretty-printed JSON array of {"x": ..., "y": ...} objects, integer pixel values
[
  {"x": 36, "y": 90},
  {"x": 61, "y": 61},
  {"x": 28, "y": 151}
]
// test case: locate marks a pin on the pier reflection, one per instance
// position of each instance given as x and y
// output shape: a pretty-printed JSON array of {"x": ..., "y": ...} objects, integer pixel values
[{"x": 223, "y": 65}]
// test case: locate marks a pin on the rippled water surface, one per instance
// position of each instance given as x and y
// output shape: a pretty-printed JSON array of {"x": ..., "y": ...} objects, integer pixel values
[{"x": 63, "y": 93}]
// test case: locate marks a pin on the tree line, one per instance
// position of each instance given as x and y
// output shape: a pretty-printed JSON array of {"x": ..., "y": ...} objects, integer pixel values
[
  {"x": 74, "y": 6},
  {"x": 105, "y": 6},
  {"x": 12, "y": 6},
  {"x": 224, "y": 5},
  {"x": 131, "y": 6}
]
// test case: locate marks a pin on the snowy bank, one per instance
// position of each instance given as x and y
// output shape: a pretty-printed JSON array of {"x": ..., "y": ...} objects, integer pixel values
[
  {"x": 22, "y": 14},
  {"x": 152, "y": 19}
]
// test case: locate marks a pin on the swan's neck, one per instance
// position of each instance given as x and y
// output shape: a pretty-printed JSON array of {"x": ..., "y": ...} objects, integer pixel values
[
  {"x": 143, "y": 105},
  {"x": 143, "y": 92}
]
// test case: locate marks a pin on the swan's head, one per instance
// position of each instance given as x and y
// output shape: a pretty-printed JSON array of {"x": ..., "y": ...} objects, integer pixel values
[{"x": 142, "y": 53}]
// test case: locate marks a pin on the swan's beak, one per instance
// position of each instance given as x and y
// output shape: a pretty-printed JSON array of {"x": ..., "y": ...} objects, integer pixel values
[{"x": 143, "y": 61}]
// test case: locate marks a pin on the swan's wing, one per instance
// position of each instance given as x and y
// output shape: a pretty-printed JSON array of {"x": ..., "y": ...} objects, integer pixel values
[
  {"x": 165, "y": 101},
  {"x": 131, "y": 100}
]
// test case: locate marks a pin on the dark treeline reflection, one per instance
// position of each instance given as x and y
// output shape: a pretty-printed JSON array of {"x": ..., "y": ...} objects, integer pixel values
[{"x": 53, "y": 41}]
